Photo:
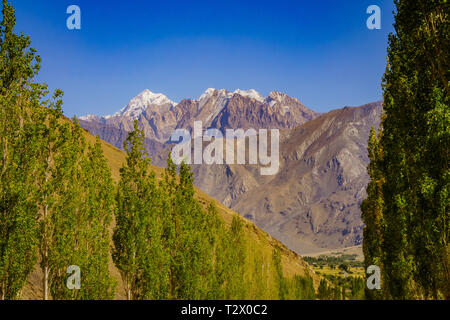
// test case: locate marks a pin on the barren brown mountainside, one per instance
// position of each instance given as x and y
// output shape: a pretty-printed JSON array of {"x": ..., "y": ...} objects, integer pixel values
[{"x": 314, "y": 200}]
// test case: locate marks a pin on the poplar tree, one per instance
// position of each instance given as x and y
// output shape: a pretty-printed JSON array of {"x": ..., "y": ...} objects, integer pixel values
[
  {"x": 237, "y": 257},
  {"x": 229, "y": 258},
  {"x": 324, "y": 292},
  {"x": 138, "y": 251},
  {"x": 64, "y": 217},
  {"x": 219, "y": 240},
  {"x": 193, "y": 257},
  {"x": 53, "y": 136},
  {"x": 372, "y": 211},
  {"x": 279, "y": 276},
  {"x": 98, "y": 207},
  {"x": 43, "y": 195},
  {"x": 80, "y": 221},
  {"x": 303, "y": 288},
  {"x": 21, "y": 120},
  {"x": 414, "y": 166}
]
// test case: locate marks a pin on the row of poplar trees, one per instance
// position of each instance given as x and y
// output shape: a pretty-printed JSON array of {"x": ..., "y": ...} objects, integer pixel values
[
  {"x": 58, "y": 202},
  {"x": 406, "y": 214},
  {"x": 166, "y": 246},
  {"x": 56, "y": 193}
]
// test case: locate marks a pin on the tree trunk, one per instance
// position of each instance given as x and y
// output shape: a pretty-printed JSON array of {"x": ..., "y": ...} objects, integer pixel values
[
  {"x": 45, "y": 282},
  {"x": 45, "y": 256},
  {"x": 45, "y": 236}
]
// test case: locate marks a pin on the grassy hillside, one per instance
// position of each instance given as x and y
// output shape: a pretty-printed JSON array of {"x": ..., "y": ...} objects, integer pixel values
[{"x": 259, "y": 244}]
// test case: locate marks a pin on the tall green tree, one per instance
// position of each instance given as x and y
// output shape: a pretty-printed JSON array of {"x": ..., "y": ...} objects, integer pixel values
[
  {"x": 372, "y": 211},
  {"x": 190, "y": 242},
  {"x": 54, "y": 137},
  {"x": 138, "y": 249},
  {"x": 415, "y": 155},
  {"x": 229, "y": 258},
  {"x": 357, "y": 285},
  {"x": 98, "y": 208},
  {"x": 44, "y": 193},
  {"x": 21, "y": 121},
  {"x": 79, "y": 225},
  {"x": 279, "y": 276},
  {"x": 302, "y": 288}
]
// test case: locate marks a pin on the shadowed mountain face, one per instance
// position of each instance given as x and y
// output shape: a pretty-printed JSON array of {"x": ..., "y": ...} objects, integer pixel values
[{"x": 312, "y": 203}]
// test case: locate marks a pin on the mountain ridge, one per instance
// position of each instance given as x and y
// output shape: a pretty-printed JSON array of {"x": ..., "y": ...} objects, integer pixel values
[{"x": 220, "y": 109}]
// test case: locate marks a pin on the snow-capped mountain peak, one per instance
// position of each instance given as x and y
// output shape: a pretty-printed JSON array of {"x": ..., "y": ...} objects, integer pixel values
[
  {"x": 252, "y": 93},
  {"x": 89, "y": 117},
  {"x": 208, "y": 93},
  {"x": 138, "y": 104}
]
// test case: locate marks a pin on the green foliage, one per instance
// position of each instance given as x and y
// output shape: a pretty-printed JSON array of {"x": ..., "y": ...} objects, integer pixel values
[
  {"x": 324, "y": 292},
  {"x": 372, "y": 211},
  {"x": 48, "y": 201},
  {"x": 302, "y": 288},
  {"x": 297, "y": 288},
  {"x": 407, "y": 210},
  {"x": 138, "y": 251},
  {"x": 230, "y": 255},
  {"x": 98, "y": 209},
  {"x": 357, "y": 287},
  {"x": 257, "y": 280},
  {"x": 79, "y": 225},
  {"x": 188, "y": 251},
  {"x": 279, "y": 276},
  {"x": 349, "y": 260},
  {"x": 19, "y": 150}
]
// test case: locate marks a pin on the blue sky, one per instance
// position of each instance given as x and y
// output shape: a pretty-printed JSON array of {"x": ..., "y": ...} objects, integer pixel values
[{"x": 318, "y": 51}]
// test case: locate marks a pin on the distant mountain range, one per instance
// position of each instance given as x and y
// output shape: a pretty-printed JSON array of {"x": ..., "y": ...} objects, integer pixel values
[
  {"x": 159, "y": 117},
  {"x": 312, "y": 203}
]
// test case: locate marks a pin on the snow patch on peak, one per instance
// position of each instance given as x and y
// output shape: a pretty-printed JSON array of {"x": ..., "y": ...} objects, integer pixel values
[
  {"x": 208, "y": 93},
  {"x": 211, "y": 91},
  {"x": 139, "y": 104},
  {"x": 89, "y": 117},
  {"x": 279, "y": 97},
  {"x": 252, "y": 93},
  {"x": 153, "y": 98},
  {"x": 275, "y": 97}
]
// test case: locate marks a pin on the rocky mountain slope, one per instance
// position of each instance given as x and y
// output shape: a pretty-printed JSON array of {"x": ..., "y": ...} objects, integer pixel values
[
  {"x": 314, "y": 200},
  {"x": 159, "y": 117}
]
